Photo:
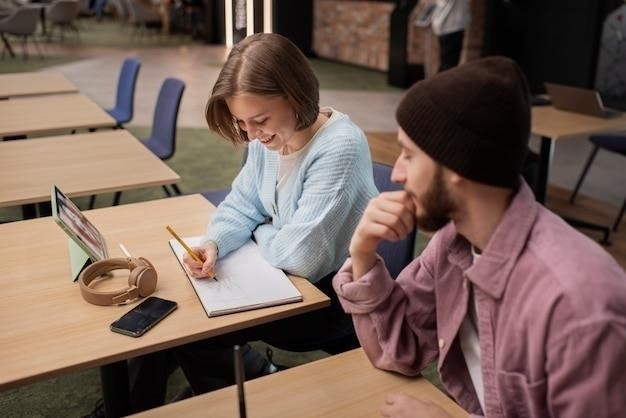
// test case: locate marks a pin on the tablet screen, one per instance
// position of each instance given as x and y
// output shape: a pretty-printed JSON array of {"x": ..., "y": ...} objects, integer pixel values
[{"x": 77, "y": 226}]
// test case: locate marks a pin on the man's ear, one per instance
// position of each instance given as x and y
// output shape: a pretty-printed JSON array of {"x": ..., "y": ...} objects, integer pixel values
[{"x": 452, "y": 177}]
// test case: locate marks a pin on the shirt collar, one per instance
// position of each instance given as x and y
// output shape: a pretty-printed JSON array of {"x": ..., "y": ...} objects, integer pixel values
[{"x": 492, "y": 269}]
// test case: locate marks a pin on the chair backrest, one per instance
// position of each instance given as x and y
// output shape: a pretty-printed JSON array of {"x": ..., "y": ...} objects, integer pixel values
[
  {"x": 22, "y": 22},
  {"x": 162, "y": 140},
  {"x": 62, "y": 11},
  {"x": 121, "y": 9},
  {"x": 140, "y": 13},
  {"x": 397, "y": 255},
  {"x": 125, "y": 97},
  {"x": 613, "y": 143}
]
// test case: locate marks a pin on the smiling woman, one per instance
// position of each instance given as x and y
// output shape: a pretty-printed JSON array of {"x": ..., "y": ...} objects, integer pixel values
[{"x": 307, "y": 176}]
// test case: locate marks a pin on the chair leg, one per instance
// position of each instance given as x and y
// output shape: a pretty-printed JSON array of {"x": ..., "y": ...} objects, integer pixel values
[
  {"x": 37, "y": 48},
  {"x": 619, "y": 217},
  {"x": 176, "y": 189},
  {"x": 579, "y": 223},
  {"x": 116, "y": 198},
  {"x": 24, "y": 49},
  {"x": 167, "y": 191},
  {"x": 584, "y": 173},
  {"x": 92, "y": 201}
]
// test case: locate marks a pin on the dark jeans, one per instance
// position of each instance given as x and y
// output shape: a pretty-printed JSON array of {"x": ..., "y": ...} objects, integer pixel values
[
  {"x": 209, "y": 364},
  {"x": 450, "y": 47}
]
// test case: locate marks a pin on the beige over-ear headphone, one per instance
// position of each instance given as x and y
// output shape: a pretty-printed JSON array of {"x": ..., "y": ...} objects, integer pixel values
[{"x": 142, "y": 280}]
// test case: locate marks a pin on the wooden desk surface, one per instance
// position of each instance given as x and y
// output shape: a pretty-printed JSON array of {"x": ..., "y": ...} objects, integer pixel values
[
  {"x": 80, "y": 165},
  {"x": 57, "y": 112},
  {"x": 341, "y": 386},
  {"x": 384, "y": 147},
  {"x": 47, "y": 327},
  {"x": 553, "y": 123},
  {"x": 29, "y": 84}
]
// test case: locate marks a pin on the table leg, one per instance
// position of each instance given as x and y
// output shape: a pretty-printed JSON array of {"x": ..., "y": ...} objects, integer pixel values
[
  {"x": 115, "y": 389},
  {"x": 42, "y": 19},
  {"x": 545, "y": 160},
  {"x": 7, "y": 45},
  {"x": 44, "y": 209},
  {"x": 29, "y": 211}
]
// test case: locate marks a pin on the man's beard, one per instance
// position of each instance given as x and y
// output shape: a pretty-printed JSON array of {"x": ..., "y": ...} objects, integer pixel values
[{"x": 437, "y": 205}]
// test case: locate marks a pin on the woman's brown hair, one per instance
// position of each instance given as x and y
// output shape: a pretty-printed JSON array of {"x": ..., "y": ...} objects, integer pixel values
[{"x": 266, "y": 64}]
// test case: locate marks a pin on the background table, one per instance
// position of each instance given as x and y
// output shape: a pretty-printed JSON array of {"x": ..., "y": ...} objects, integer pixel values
[
  {"x": 81, "y": 165},
  {"x": 552, "y": 124},
  {"x": 50, "y": 114},
  {"x": 341, "y": 386},
  {"x": 49, "y": 330},
  {"x": 31, "y": 84}
]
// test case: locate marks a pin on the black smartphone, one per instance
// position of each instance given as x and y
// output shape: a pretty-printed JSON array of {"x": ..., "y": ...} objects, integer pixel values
[{"x": 143, "y": 316}]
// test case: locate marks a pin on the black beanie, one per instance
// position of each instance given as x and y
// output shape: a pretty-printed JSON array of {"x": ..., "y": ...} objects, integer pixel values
[{"x": 473, "y": 119}]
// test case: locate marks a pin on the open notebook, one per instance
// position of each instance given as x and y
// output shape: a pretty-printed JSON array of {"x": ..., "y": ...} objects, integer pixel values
[{"x": 245, "y": 281}]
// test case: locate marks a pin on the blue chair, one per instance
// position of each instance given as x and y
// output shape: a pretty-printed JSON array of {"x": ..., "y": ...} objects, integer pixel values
[
  {"x": 125, "y": 98},
  {"x": 162, "y": 139},
  {"x": 397, "y": 255},
  {"x": 611, "y": 143}
]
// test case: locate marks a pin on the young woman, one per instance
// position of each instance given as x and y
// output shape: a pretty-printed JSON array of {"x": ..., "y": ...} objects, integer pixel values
[{"x": 305, "y": 183}]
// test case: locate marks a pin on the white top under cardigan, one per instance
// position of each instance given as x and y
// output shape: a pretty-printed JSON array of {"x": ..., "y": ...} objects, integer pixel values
[{"x": 309, "y": 233}]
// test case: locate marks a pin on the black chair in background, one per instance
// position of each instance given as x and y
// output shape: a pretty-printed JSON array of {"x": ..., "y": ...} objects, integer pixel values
[
  {"x": 22, "y": 22},
  {"x": 611, "y": 143},
  {"x": 62, "y": 14}
]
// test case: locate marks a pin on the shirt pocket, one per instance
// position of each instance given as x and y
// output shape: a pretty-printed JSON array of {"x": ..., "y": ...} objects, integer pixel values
[{"x": 520, "y": 398}]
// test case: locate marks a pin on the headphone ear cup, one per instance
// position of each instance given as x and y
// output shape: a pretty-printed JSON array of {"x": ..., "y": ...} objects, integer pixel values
[{"x": 144, "y": 278}]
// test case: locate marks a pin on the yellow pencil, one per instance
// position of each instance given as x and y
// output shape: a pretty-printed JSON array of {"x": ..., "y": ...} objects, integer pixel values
[
  {"x": 184, "y": 244},
  {"x": 191, "y": 252}
]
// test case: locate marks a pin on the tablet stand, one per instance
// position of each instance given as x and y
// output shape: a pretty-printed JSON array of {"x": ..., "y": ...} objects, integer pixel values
[{"x": 79, "y": 259}]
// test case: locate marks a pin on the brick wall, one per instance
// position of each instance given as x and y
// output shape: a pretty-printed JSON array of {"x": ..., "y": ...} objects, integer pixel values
[{"x": 357, "y": 32}]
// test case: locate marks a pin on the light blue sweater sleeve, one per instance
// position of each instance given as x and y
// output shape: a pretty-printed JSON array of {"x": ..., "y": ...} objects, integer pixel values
[
  {"x": 309, "y": 234},
  {"x": 241, "y": 211}
]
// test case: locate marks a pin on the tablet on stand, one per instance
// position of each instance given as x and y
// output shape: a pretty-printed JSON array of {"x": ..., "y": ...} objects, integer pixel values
[{"x": 85, "y": 244}]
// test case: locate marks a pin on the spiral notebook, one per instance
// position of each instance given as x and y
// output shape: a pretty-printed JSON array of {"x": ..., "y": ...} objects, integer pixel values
[{"x": 245, "y": 281}]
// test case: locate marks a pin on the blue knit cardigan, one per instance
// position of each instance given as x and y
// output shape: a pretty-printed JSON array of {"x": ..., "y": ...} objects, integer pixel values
[{"x": 309, "y": 234}]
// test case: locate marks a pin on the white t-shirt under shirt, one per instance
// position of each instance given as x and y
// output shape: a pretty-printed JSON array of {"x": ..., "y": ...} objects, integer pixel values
[{"x": 470, "y": 344}]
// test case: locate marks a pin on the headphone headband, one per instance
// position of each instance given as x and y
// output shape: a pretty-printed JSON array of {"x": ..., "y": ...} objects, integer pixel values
[{"x": 142, "y": 280}]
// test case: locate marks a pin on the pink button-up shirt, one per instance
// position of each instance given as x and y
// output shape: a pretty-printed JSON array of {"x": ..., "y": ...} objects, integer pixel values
[{"x": 551, "y": 317}]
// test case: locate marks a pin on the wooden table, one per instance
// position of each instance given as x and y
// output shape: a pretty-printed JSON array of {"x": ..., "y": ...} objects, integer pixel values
[
  {"x": 49, "y": 330},
  {"x": 81, "y": 165},
  {"x": 33, "y": 84},
  {"x": 384, "y": 147},
  {"x": 552, "y": 124},
  {"x": 51, "y": 114},
  {"x": 341, "y": 386}
]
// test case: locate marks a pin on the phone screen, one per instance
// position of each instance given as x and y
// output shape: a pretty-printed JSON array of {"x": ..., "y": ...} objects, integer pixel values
[{"x": 143, "y": 316}]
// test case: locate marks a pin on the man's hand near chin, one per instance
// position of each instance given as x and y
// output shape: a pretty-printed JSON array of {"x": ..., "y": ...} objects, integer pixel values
[{"x": 390, "y": 217}]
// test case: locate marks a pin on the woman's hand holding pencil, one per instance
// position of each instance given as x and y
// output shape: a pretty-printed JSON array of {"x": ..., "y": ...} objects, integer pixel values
[{"x": 200, "y": 261}]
